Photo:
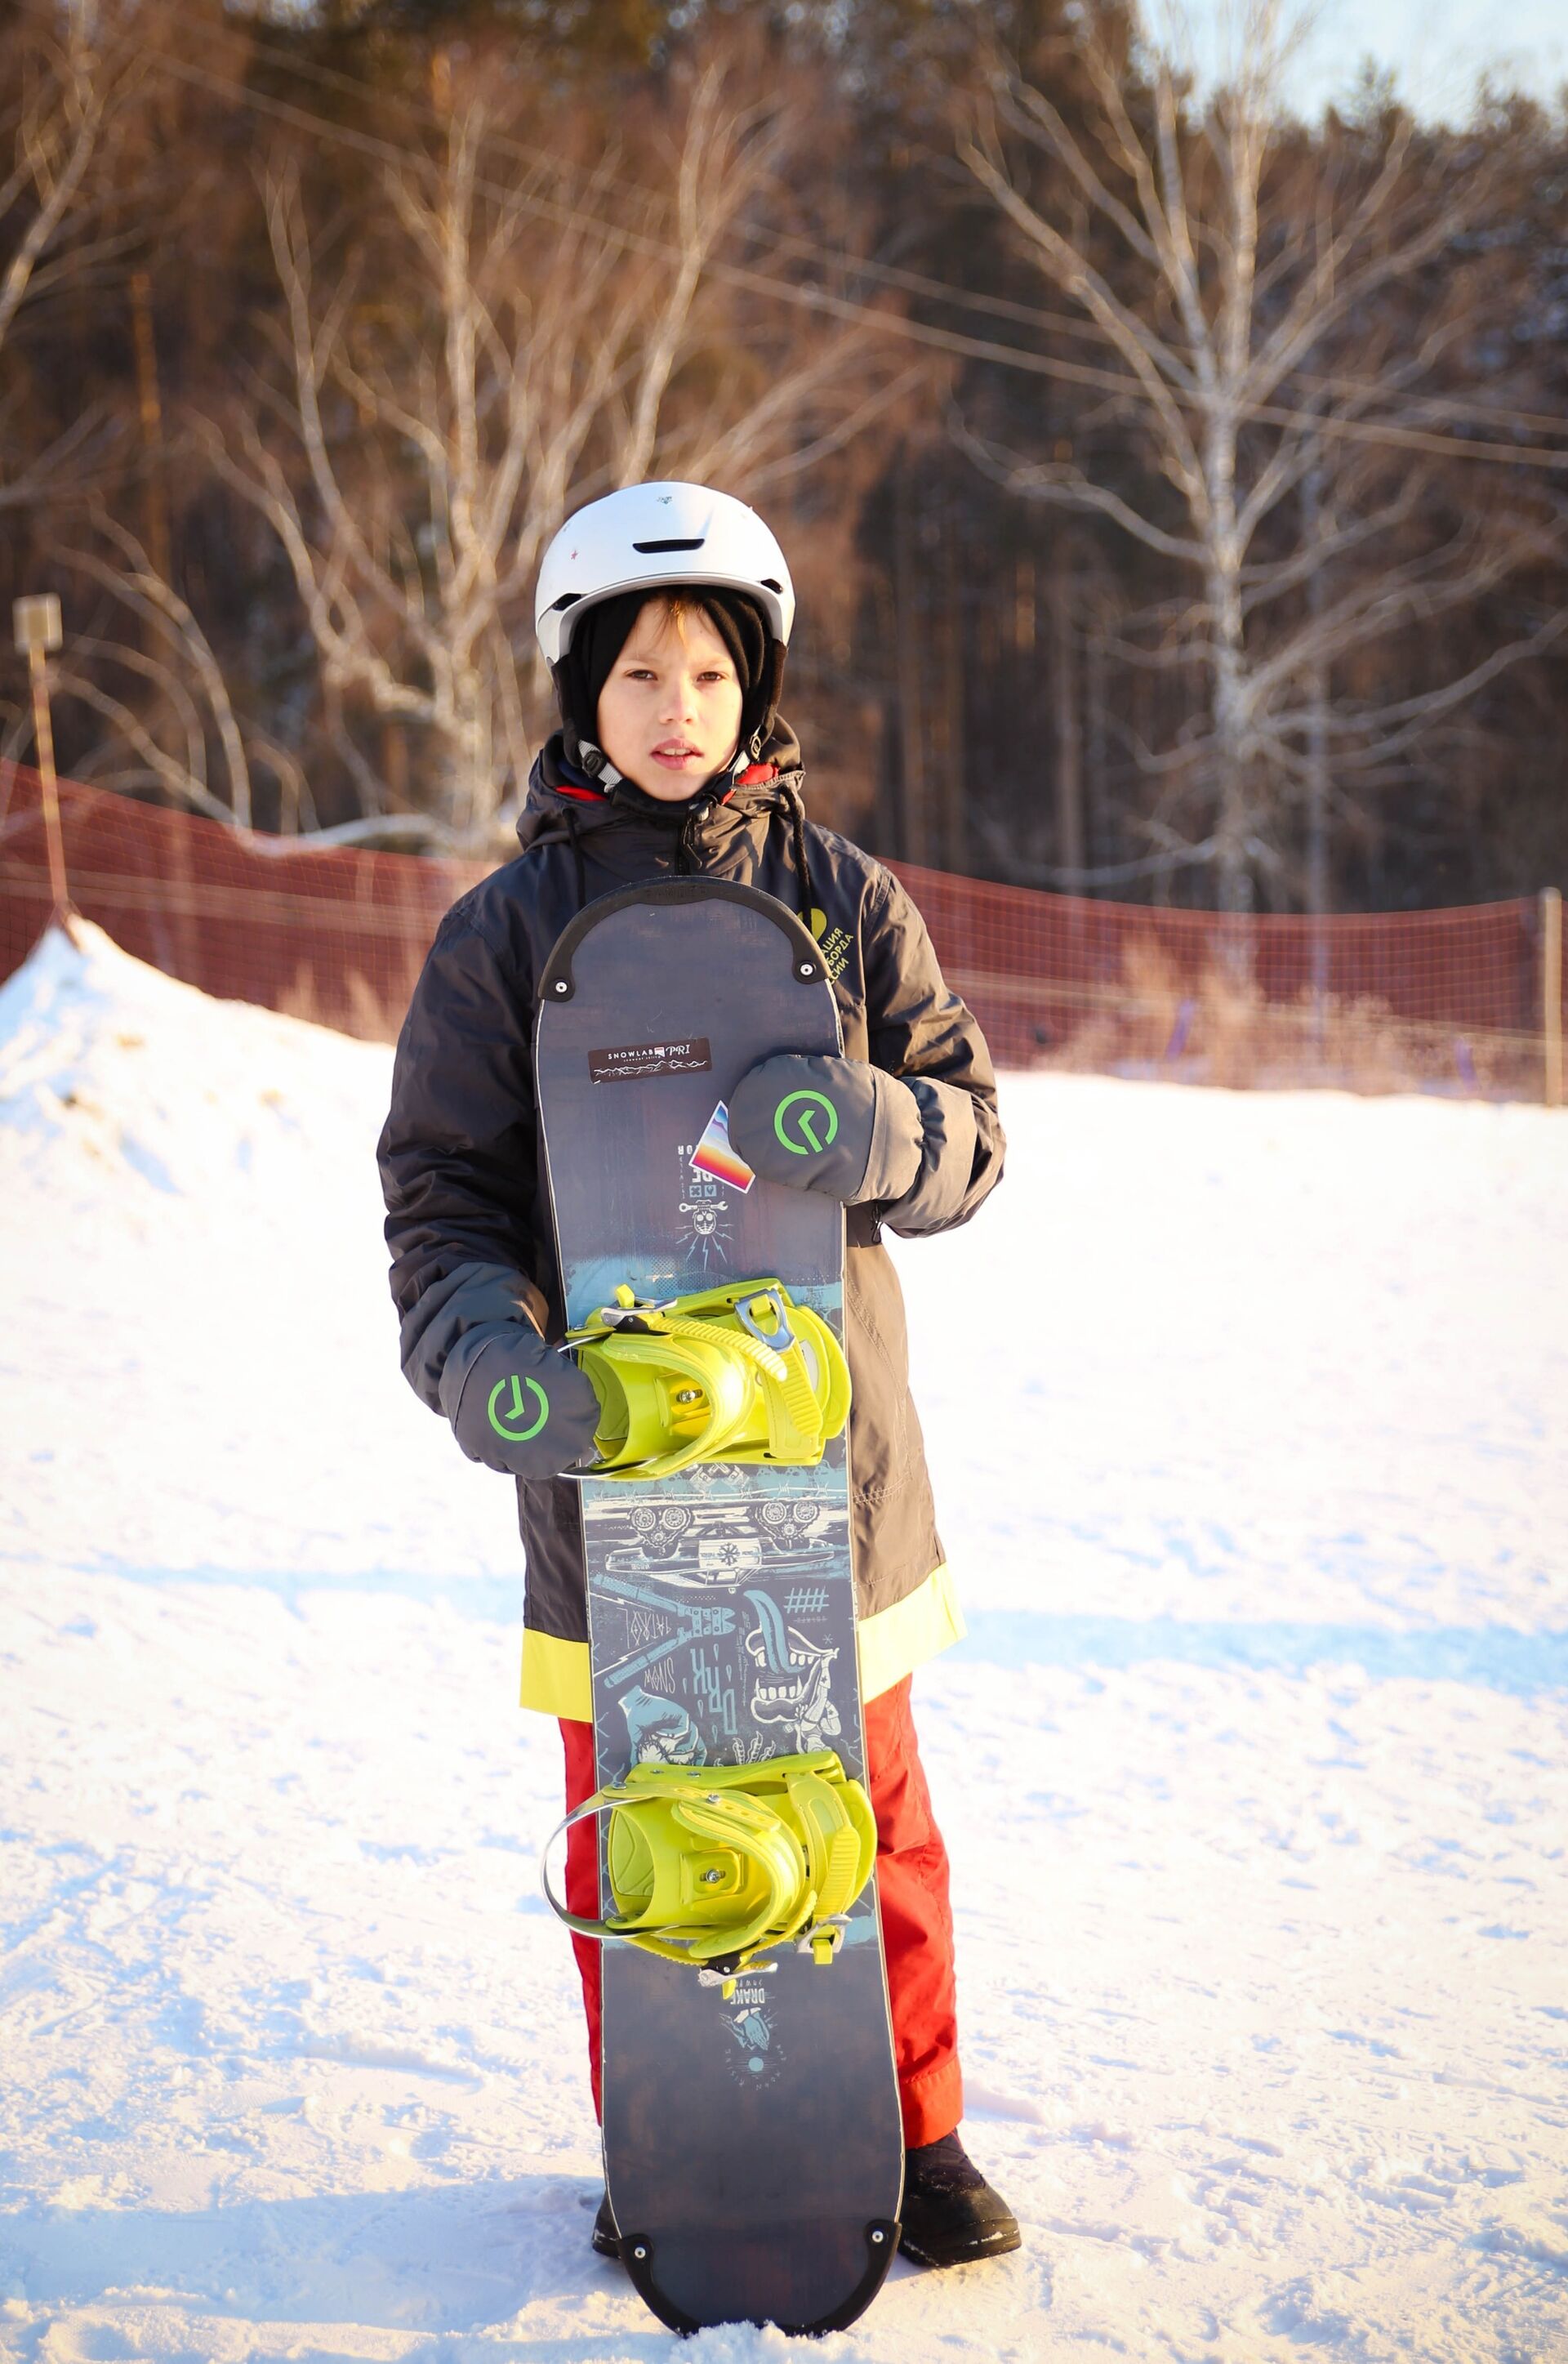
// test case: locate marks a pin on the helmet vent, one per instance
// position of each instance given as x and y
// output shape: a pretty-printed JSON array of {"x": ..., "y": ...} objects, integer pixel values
[
  {"x": 769, "y": 585},
  {"x": 657, "y": 549}
]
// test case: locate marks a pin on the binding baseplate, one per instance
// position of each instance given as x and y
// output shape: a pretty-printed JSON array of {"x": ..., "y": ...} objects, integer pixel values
[
  {"x": 719, "y": 1866},
  {"x": 741, "y": 1373}
]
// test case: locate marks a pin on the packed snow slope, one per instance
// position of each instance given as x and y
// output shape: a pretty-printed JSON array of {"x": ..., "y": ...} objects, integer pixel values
[{"x": 1246, "y": 1415}]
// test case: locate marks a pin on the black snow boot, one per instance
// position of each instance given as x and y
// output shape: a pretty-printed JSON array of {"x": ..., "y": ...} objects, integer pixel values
[
  {"x": 606, "y": 2240},
  {"x": 951, "y": 2216}
]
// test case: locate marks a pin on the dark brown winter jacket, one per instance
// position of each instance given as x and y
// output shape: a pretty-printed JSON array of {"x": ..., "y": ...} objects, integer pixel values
[{"x": 468, "y": 1221}]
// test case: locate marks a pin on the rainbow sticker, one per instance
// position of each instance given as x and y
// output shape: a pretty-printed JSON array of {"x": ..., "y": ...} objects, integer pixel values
[{"x": 713, "y": 1153}]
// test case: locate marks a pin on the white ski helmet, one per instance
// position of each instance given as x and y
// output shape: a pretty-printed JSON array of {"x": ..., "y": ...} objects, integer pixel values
[{"x": 653, "y": 537}]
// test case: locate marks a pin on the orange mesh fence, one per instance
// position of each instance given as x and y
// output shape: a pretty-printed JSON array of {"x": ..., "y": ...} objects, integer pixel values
[
  {"x": 1383, "y": 1001},
  {"x": 336, "y": 936},
  {"x": 1452, "y": 1000}
]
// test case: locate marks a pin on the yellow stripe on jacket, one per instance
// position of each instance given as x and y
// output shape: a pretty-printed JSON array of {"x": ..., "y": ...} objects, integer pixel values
[{"x": 892, "y": 1644}]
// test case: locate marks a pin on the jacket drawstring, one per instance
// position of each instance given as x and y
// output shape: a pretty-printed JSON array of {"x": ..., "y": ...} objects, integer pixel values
[
  {"x": 802, "y": 867},
  {"x": 578, "y": 863}
]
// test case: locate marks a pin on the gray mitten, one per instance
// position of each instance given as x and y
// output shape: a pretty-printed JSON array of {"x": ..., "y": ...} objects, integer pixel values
[
  {"x": 515, "y": 1405},
  {"x": 823, "y": 1123}
]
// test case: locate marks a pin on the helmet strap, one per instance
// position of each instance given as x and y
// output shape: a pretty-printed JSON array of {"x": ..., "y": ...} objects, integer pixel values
[{"x": 591, "y": 759}]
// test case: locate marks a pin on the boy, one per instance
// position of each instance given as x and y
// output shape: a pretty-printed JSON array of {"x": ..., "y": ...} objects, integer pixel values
[{"x": 664, "y": 612}]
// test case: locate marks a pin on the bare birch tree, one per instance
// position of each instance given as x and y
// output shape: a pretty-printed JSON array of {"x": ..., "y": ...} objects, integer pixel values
[
  {"x": 1247, "y": 286},
  {"x": 159, "y": 738},
  {"x": 414, "y": 455}
]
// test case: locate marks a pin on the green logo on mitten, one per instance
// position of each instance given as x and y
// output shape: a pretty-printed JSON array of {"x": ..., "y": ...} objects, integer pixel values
[
  {"x": 503, "y": 1421},
  {"x": 805, "y": 1123}
]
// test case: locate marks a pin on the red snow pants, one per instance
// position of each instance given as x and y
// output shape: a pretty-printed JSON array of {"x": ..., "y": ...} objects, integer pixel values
[{"x": 912, "y": 1888}]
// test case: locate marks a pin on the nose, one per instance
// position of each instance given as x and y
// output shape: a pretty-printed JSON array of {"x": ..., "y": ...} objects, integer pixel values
[{"x": 678, "y": 703}]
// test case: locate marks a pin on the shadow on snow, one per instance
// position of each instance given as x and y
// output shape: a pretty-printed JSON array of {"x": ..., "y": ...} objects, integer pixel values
[
  {"x": 437, "y": 2261},
  {"x": 1492, "y": 1657}
]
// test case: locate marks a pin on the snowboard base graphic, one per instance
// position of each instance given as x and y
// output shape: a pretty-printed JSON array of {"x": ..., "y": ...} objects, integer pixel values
[{"x": 753, "y": 2144}]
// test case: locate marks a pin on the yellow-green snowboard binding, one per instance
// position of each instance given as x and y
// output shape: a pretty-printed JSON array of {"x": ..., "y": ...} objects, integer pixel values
[{"x": 738, "y": 1374}]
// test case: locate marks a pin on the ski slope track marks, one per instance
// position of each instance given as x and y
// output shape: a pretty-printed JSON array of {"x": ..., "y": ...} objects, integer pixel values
[{"x": 1246, "y": 1415}]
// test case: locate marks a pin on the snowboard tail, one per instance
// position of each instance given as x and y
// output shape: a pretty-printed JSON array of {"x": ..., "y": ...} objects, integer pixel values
[
  {"x": 754, "y": 2283},
  {"x": 753, "y": 2151}
]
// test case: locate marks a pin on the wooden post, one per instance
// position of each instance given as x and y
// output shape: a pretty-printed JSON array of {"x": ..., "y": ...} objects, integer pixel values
[
  {"x": 953, "y": 800},
  {"x": 38, "y": 631},
  {"x": 1551, "y": 991},
  {"x": 1097, "y": 767},
  {"x": 913, "y": 841},
  {"x": 1316, "y": 698},
  {"x": 1069, "y": 728}
]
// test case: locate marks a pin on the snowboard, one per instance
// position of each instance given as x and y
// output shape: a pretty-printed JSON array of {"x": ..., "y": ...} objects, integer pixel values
[{"x": 753, "y": 2152}]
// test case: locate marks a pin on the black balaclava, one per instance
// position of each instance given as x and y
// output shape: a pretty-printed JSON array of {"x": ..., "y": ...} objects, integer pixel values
[{"x": 604, "y": 632}]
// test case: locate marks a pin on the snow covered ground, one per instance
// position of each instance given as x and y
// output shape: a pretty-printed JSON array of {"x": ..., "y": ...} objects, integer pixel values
[{"x": 1248, "y": 1417}]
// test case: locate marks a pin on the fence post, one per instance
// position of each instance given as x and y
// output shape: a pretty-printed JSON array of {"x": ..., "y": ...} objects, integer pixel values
[
  {"x": 36, "y": 630},
  {"x": 1551, "y": 991}
]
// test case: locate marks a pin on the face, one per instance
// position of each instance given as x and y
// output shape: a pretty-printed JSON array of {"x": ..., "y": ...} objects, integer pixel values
[{"x": 669, "y": 712}]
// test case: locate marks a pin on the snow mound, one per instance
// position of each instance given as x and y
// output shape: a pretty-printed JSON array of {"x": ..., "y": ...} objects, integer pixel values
[{"x": 119, "y": 1085}]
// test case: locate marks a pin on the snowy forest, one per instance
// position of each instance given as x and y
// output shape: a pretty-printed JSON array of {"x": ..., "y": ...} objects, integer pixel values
[{"x": 1177, "y": 492}]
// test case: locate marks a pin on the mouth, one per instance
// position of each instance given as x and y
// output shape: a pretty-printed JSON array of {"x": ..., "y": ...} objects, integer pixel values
[
  {"x": 677, "y": 755},
  {"x": 783, "y": 1702},
  {"x": 802, "y": 1688}
]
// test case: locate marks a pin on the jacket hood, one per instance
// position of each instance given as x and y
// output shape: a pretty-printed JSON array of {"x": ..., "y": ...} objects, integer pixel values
[{"x": 563, "y": 802}]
